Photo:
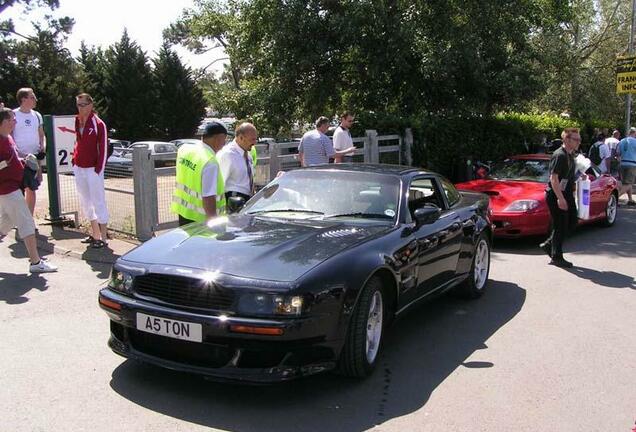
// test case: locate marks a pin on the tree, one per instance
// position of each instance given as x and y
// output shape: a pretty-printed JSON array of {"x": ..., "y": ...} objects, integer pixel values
[
  {"x": 92, "y": 74},
  {"x": 578, "y": 51},
  {"x": 298, "y": 59},
  {"x": 29, "y": 4},
  {"x": 40, "y": 61},
  {"x": 180, "y": 104},
  {"x": 128, "y": 91}
]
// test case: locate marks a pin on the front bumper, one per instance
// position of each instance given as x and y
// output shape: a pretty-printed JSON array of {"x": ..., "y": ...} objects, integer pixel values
[
  {"x": 515, "y": 225},
  {"x": 302, "y": 349}
]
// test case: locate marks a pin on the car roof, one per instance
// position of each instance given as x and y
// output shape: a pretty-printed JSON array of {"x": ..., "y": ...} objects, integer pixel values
[
  {"x": 151, "y": 143},
  {"x": 370, "y": 168}
]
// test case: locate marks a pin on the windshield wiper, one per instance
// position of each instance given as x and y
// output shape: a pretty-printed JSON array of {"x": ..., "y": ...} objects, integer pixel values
[
  {"x": 285, "y": 210},
  {"x": 362, "y": 215}
]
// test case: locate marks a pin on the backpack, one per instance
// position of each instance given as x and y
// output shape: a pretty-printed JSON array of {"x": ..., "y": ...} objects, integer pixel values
[{"x": 595, "y": 153}]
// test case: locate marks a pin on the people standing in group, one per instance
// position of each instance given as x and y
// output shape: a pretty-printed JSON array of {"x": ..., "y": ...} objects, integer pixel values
[
  {"x": 13, "y": 207},
  {"x": 28, "y": 134},
  {"x": 342, "y": 137},
  {"x": 316, "y": 148},
  {"x": 237, "y": 166},
  {"x": 627, "y": 157},
  {"x": 89, "y": 160},
  {"x": 199, "y": 193},
  {"x": 560, "y": 196}
]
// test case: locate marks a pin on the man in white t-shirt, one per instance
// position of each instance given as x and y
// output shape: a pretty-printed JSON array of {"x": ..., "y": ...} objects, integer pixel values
[
  {"x": 28, "y": 133},
  {"x": 612, "y": 145},
  {"x": 342, "y": 137}
]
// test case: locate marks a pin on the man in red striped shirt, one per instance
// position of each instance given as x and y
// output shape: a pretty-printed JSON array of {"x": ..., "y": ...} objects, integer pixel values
[
  {"x": 89, "y": 159},
  {"x": 13, "y": 207}
]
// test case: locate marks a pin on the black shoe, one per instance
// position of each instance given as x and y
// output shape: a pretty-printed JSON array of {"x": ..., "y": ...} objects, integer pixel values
[
  {"x": 561, "y": 262},
  {"x": 547, "y": 248}
]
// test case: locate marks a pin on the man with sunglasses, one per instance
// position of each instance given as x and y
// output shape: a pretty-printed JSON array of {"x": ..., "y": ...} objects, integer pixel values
[
  {"x": 28, "y": 134},
  {"x": 559, "y": 195},
  {"x": 89, "y": 159}
]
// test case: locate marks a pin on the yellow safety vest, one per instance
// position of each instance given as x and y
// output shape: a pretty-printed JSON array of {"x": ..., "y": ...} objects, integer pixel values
[
  {"x": 187, "y": 200},
  {"x": 254, "y": 155}
]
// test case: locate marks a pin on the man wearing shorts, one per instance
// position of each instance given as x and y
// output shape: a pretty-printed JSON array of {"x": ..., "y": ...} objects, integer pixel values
[
  {"x": 28, "y": 134},
  {"x": 13, "y": 207},
  {"x": 627, "y": 155}
]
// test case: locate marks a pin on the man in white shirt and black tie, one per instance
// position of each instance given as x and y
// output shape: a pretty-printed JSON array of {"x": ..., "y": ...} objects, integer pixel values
[{"x": 237, "y": 166}]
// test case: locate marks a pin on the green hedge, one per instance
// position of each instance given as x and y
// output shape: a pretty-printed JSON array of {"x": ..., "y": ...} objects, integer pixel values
[{"x": 445, "y": 144}]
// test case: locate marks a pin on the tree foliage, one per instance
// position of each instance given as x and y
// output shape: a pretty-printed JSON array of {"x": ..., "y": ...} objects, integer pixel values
[{"x": 180, "y": 104}]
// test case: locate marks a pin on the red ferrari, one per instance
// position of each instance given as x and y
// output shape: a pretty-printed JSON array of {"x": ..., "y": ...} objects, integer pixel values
[{"x": 516, "y": 188}]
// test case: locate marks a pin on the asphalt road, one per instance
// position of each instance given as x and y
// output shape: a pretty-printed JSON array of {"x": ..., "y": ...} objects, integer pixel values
[{"x": 544, "y": 350}]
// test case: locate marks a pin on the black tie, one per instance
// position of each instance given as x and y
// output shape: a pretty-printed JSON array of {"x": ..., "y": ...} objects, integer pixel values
[{"x": 249, "y": 172}]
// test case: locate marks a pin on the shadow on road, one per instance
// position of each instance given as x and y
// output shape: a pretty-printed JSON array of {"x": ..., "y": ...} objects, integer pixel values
[
  {"x": 15, "y": 286},
  {"x": 594, "y": 239},
  {"x": 422, "y": 349},
  {"x": 608, "y": 279}
]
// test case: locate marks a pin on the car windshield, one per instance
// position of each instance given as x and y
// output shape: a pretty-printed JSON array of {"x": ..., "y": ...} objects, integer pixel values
[
  {"x": 323, "y": 194},
  {"x": 521, "y": 169}
]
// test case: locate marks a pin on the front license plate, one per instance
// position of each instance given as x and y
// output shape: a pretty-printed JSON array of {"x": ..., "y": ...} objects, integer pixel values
[{"x": 169, "y": 327}]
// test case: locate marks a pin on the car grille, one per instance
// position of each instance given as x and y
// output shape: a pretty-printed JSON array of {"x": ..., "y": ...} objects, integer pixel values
[
  {"x": 192, "y": 353},
  {"x": 184, "y": 291}
]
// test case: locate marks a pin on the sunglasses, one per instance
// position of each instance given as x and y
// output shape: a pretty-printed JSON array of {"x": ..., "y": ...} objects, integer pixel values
[{"x": 82, "y": 105}]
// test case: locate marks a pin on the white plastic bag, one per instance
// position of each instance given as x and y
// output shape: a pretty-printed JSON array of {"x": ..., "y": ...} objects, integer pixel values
[
  {"x": 583, "y": 186},
  {"x": 582, "y": 163}
]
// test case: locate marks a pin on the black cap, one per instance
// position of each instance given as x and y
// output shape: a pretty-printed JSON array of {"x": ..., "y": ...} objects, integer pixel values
[{"x": 214, "y": 128}]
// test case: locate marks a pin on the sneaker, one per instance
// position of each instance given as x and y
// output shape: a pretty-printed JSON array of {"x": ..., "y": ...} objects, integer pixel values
[
  {"x": 631, "y": 203},
  {"x": 88, "y": 240},
  {"x": 561, "y": 262},
  {"x": 547, "y": 248},
  {"x": 43, "y": 267}
]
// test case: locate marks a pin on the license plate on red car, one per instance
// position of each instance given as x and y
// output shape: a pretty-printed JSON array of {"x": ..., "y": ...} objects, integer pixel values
[{"x": 183, "y": 330}]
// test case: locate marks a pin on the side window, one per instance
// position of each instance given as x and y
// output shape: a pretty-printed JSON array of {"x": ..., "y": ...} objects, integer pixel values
[
  {"x": 423, "y": 191},
  {"x": 452, "y": 195}
]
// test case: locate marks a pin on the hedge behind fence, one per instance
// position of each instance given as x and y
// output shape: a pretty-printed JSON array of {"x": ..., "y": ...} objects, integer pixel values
[{"x": 445, "y": 144}]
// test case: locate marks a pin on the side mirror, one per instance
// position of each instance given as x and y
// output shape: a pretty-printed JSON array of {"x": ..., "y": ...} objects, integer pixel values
[
  {"x": 235, "y": 204},
  {"x": 427, "y": 214}
]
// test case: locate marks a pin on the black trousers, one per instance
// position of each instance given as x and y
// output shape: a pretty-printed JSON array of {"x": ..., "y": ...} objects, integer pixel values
[
  {"x": 562, "y": 221},
  {"x": 230, "y": 207}
]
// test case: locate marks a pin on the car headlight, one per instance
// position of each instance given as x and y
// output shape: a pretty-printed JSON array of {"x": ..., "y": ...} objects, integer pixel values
[
  {"x": 522, "y": 206},
  {"x": 120, "y": 281},
  {"x": 270, "y": 304}
]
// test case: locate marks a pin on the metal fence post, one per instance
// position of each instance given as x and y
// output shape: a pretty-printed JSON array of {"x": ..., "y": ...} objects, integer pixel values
[
  {"x": 51, "y": 170},
  {"x": 145, "y": 186},
  {"x": 408, "y": 146},
  {"x": 371, "y": 148},
  {"x": 274, "y": 161}
]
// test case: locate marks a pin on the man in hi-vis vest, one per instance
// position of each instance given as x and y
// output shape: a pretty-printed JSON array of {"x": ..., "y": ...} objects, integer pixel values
[{"x": 199, "y": 194}]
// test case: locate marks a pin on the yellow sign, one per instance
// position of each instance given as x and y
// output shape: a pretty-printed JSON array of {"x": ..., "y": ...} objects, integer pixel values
[{"x": 626, "y": 74}]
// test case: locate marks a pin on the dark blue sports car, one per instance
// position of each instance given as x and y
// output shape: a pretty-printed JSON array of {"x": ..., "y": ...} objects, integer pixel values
[{"x": 305, "y": 278}]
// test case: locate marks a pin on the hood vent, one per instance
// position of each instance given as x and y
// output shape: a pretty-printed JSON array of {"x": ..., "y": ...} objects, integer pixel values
[
  {"x": 344, "y": 232},
  {"x": 491, "y": 193}
]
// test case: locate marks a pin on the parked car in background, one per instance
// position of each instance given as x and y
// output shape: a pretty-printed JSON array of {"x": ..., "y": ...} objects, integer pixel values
[
  {"x": 304, "y": 279},
  {"x": 117, "y": 165},
  {"x": 516, "y": 188},
  {"x": 179, "y": 142},
  {"x": 157, "y": 147}
]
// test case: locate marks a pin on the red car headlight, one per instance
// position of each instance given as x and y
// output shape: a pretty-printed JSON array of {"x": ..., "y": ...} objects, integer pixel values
[{"x": 522, "y": 206}]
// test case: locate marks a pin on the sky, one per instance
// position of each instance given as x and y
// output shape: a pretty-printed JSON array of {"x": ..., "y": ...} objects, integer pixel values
[{"x": 101, "y": 23}]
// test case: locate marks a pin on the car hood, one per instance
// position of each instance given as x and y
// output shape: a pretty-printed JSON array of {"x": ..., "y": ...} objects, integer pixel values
[
  {"x": 503, "y": 192},
  {"x": 253, "y": 247}
]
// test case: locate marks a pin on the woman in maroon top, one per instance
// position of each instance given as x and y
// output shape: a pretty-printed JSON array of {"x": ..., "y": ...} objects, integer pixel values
[
  {"x": 89, "y": 159},
  {"x": 13, "y": 207}
]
